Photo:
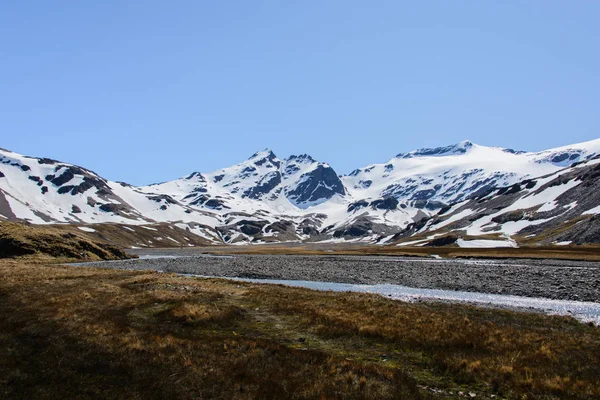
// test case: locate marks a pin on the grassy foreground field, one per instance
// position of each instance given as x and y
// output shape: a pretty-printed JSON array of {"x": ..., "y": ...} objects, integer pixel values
[{"x": 68, "y": 332}]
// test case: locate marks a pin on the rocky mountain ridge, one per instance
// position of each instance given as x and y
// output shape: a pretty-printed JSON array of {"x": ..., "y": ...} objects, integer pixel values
[{"x": 266, "y": 199}]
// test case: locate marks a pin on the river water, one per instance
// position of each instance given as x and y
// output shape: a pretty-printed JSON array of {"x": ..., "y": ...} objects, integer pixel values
[{"x": 584, "y": 311}]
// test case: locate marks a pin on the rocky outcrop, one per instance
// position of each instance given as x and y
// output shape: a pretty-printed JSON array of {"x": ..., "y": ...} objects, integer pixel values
[
  {"x": 264, "y": 186},
  {"x": 315, "y": 186}
]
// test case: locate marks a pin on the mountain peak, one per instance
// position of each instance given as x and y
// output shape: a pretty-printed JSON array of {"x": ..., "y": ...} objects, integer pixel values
[
  {"x": 454, "y": 149},
  {"x": 301, "y": 158},
  {"x": 265, "y": 153},
  {"x": 265, "y": 157}
]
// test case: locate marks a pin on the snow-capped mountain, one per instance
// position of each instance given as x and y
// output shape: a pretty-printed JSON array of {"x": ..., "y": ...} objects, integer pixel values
[
  {"x": 558, "y": 208},
  {"x": 261, "y": 182},
  {"x": 297, "y": 198},
  {"x": 453, "y": 173}
]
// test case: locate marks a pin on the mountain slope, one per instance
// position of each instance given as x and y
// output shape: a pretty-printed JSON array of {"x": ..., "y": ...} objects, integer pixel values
[
  {"x": 453, "y": 173},
  {"x": 266, "y": 199},
  {"x": 558, "y": 208}
]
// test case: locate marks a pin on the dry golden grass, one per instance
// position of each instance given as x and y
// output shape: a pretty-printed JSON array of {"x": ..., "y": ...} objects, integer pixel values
[
  {"x": 86, "y": 333},
  {"x": 48, "y": 243},
  {"x": 584, "y": 253},
  {"x": 81, "y": 333}
]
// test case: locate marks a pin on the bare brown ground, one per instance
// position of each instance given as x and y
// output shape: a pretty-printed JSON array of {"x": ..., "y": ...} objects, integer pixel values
[
  {"x": 70, "y": 332},
  {"x": 583, "y": 253}
]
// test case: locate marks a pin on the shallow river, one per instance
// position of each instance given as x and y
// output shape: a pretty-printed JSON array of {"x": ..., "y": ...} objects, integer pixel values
[
  {"x": 550, "y": 286},
  {"x": 584, "y": 311}
]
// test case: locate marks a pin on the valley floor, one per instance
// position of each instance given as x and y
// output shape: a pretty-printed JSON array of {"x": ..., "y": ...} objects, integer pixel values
[
  {"x": 554, "y": 279},
  {"x": 69, "y": 332}
]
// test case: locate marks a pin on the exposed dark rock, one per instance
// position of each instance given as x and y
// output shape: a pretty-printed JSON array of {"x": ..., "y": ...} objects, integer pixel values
[
  {"x": 232, "y": 183},
  {"x": 163, "y": 207},
  {"x": 271, "y": 158},
  {"x": 162, "y": 197},
  {"x": 459, "y": 148},
  {"x": 44, "y": 189},
  {"x": 357, "y": 205},
  {"x": 66, "y": 189},
  {"x": 103, "y": 192},
  {"x": 36, "y": 179},
  {"x": 319, "y": 184},
  {"x": 403, "y": 189},
  {"x": 431, "y": 205},
  {"x": 215, "y": 204},
  {"x": 2, "y": 175},
  {"x": 443, "y": 241},
  {"x": 564, "y": 157},
  {"x": 361, "y": 227},
  {"x": 196, "y": 175},
  {"x": 279, "y": 226},
  {"x": 509, "y": 217},
  {"x": 502, "y": 190},
  {"x": 87, "y": 184},
  {"x": 247, "y": 171},
  {"x": 75, "y": 209},
  {"x": 509, "y": 189},
  {"x": 365, "y": 184},
  {"x": 46, "y": 161},
  {"x": 218, "y": 178},
  {"x": 25, "y": 167},
  {"x": 411, "y": 228},
  {"x": 195, "y": 192},
  {"x": 423, "y": 194},
  {"x": 444, "y": 210},
  {"x": 387, "y": 203},
  {"x": 112, "y": 207},
  {"x": 251, "y": 227},
  {"x": 590, "y": 177},
  {"x": 559, "y": 181},
  {"x": 309, "y": 230},
  {"x": 64, "y": 177},
  {"x": 200, "y": 200},
  {"x": 301, "y": 158},
  {"x": 516, "y": 188},
  {"x": 291, "y": 169},
  {"x": 327, "y": 228},
  {"x": 310, "y": 225},
  {"x": 265, "y": 185},
  {"x": 89, "y": 181},
  {"x": 91, "y": 202},
  {"x": 354, "y": 231},
  {"x": 511, "y": 151},
  {"x": 483, "y": 187}
]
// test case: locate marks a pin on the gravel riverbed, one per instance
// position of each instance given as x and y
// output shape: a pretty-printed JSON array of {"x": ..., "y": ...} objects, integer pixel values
[{"x": 553, "y": 279}]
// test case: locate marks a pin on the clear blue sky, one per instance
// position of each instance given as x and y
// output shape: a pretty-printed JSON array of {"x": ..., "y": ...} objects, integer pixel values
[{"x": 145, "y": 91}]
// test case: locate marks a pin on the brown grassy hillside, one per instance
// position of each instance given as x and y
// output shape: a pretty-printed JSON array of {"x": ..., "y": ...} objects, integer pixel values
[{"x": 42, "y": 243}]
